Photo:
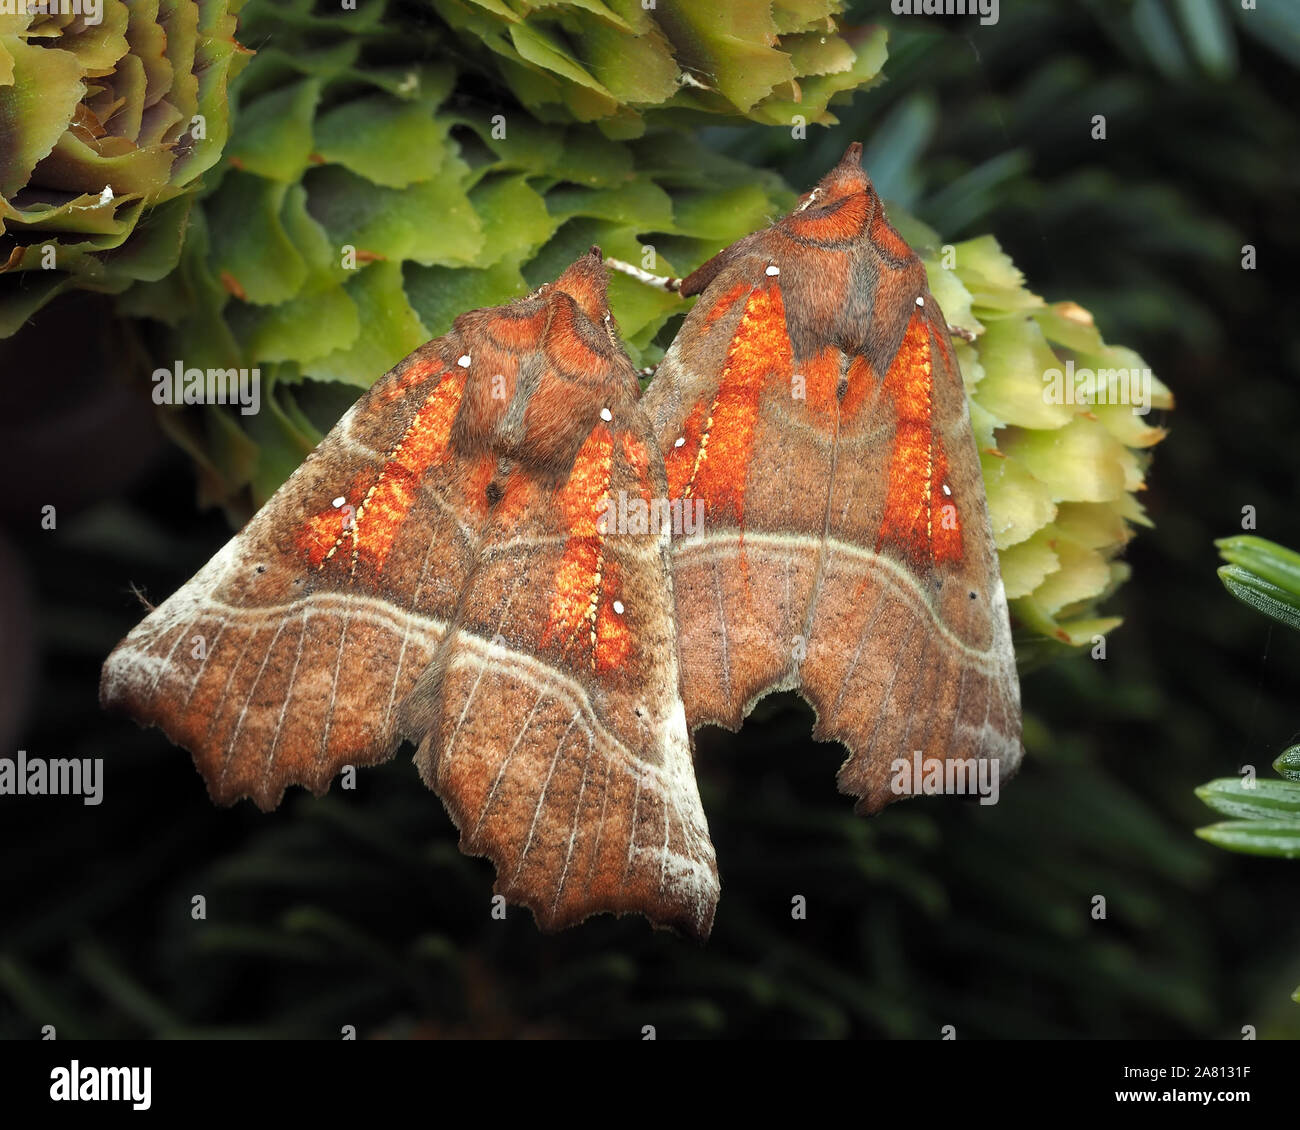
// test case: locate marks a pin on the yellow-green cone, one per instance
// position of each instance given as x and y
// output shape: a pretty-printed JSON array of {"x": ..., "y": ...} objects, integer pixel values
[
  {"x": 105, "y": 125},
  {"x": 623, "y": 63},
  {"x": 1062, "y": 471}
]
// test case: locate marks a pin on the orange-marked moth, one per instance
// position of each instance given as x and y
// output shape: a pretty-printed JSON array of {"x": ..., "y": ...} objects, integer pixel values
[
  {"x": 812, "y": 399},
  {"x": 454, "y": 566}
]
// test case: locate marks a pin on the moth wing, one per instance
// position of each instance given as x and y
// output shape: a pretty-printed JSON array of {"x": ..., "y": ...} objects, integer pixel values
[
  {"x": 747, "y": 434},
  {"x": 909, "y": 643},
  {"x": 811, "y": 399},
  {"x": 551, "y": 722},
  {"x": 284, "y": 658}
]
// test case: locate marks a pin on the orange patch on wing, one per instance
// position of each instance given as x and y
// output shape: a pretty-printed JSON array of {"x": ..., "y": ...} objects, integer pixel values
[
  {"x": 945, "y": 536},
  {"x": 679, "y": 460},
  {"x": 759, "y": 351},
  {"x": 915, "y": 516},
  {"x": 319, "y": 534},
  {"x": 323, "y": 532},
  {"x": 572, "y": 621},
  {"x": 378, "y": 514},
  {"x": 723, "y": 304},
  {"x": 637, "y": 456},
  {"x": 414, "y": 374},
  {"x": 613, "y": 639},
  {"x": 423, "y": 445}
]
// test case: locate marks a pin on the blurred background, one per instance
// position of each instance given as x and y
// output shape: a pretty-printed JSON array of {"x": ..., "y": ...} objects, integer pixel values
[{"x": 358, "y": 909}]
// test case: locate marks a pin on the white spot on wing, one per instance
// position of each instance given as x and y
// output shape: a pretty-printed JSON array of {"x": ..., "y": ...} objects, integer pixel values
[
  {"x": 463, "y": 361},
  {"x": 606, "y": 414}
]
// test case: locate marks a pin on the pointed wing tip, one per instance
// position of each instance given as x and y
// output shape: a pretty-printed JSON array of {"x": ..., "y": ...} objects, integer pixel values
[
  {"x": 685, "y": 916},
  {"x": 852, "y": 156},
  {"x": 697, "y": 929},
  {"x": 267, "y": 796},
  {"x": 114, "y": 681},
  {"x": 677, "y": 913},
  {"x": 682, "y": 921},
  {"x": 871, "y": 797},
  {"x": 118, "y": 697}
]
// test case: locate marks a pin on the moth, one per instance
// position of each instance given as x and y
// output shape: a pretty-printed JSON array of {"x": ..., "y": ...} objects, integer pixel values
[
  {"x": 443, "y": 569},
  {"x": 812, "y": 398}
]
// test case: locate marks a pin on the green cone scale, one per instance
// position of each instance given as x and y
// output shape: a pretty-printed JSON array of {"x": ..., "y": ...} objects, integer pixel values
[
  {"x": 107, "y": 127},
  {"x": 1062, "y": 471},
  {"x": 312, "y": 255}
]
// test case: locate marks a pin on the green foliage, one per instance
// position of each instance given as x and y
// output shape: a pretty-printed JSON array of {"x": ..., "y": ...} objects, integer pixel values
[
  {"x": 1288, "y": 763},
  {"x": 624, "y": 65},
  {"x": 106, "y": 129},
  {"x": 1264, "y": 575},
  {"x": 1266, "y": 814},
  {"x": 394, "y": 166}
]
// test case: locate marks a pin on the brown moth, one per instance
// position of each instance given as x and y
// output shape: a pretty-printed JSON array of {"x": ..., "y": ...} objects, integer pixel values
[
  {"x": 443, "y": 569},
  {"x": 437, "y": 570},
  {"x": 812, "y": 399}
]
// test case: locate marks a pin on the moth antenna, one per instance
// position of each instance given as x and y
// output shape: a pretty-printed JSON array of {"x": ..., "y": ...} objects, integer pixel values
[
  {"x": 663, "y": 282},
  {"x": 138, "y": 593},
  {"x": 961, "y": 332}
]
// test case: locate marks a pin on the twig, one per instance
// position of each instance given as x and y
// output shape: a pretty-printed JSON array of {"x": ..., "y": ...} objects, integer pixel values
[{"x": 663, "y": 282}]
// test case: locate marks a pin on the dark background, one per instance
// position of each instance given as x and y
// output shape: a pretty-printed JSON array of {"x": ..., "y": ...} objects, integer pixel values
[{"x": 357, "y": 908}]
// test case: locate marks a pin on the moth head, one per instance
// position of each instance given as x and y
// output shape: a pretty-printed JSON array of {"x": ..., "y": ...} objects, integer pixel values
[
  {"x": 580, "y": 326},
  {"x": 587, "y": 284},
  {"x": 840, "y": 207},
  {"x": 576, "y": 369}
]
